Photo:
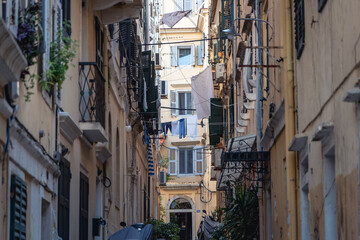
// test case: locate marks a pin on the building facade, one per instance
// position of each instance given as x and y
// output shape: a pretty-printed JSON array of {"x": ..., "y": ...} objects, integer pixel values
[{"x": 74, "y": 160}]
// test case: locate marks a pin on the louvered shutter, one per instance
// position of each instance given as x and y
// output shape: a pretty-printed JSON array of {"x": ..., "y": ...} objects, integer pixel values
[
  {"x": 173, "y": 102},
  {"x": 215, "y": 121},
  {"x": 173, "y": 55},
  {"x": 172, "y": 161},
  {"x": 45, "y": 46},
  {"x": 199, "y": 55},
  {"x": 193, "y": 54},
  {"x": 187, "y": 5},
  {"x": 18, "y": 206},
  {"x": 199, "y": 160}
]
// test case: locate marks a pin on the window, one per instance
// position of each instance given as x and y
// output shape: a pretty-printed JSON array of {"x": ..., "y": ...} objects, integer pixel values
[
  {"x": 186, "y": 161},
  {"x": 10, "y": 14},
  {"x": 199, "y": 3},
  {"x": 186, "y": 165},
  {"x": 66, "y": 14},
  {"x": 164, "y": 88},
  {"x": 184, "y": 102},
  {"x": 18, "y": 206},
  {"x": 64, "y": 199},
  {"x": 321, "y": 4},
  {"x": 183, "y": 5},
  {"x": 181, "y": 100},
  {"x": 182, "y": 55},
  {"x": 84, "y": 207},
  {"x": 299, "y": 27}
]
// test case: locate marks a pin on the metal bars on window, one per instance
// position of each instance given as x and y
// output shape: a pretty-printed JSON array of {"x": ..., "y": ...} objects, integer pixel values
[{"x": 92, "y": 93}]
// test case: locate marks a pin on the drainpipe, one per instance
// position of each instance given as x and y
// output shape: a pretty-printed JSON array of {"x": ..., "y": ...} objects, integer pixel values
[
  {"x": 291, "y": 180},
  {"x": 259, "y": 84}
]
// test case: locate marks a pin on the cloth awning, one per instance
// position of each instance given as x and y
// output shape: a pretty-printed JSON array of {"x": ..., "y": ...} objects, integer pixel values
[{"x": 113, "y": 11}]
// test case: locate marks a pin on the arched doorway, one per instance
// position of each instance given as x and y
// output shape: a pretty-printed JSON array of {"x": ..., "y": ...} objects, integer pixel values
[{"x": 181, "y": 210}]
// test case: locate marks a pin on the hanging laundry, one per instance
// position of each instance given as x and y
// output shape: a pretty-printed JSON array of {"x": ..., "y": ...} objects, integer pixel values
[
  {"x": 201, "y": 91},
  {"x": 175, "y": 128},
  {"x": 182, "y": 128},
  {"x": 172, "y": 18},
  {"x": 166, "y": 127},
  {"x": 192, "y": 126}
]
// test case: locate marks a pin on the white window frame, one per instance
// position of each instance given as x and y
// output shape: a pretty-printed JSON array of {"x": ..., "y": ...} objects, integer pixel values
[
  {"x": 164, "y": 91},
  {"x": 174, "y": 55},
  {"x": 179, "y": 5},
  {"x": 185, "y": 102},
  {"x": 176, "y": 161}
]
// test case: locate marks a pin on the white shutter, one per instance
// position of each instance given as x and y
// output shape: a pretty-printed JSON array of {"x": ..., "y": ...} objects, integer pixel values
[
  {"x": 46, "y": 34},
  {"x": 193, "y": 54},
  {"x": 199, "y": 55},
  {"x": 199, "y": 160},
  {"x": 172, "y": 167},
  {"x": 173, "y": 55},
  {"x": 179, "y": 5},
  {"x": 173, "y": 102}
]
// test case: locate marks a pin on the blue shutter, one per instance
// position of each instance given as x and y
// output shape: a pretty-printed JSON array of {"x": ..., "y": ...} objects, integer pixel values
[
  {"x": 193, "y": 55},
  {"x": 173, "y": 55},
  {"x": 199, "y": 55}
]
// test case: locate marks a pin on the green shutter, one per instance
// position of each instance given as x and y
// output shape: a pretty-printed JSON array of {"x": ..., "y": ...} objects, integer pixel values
[
  {"x": 216, "y": 121},
  {"x": 18, "y": 205}
]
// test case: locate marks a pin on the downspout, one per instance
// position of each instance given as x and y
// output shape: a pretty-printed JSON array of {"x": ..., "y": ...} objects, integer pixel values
[{"x": 291, "y": 180}]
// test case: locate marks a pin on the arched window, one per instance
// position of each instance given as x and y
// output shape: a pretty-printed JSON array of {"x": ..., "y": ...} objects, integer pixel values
[{"x": 180, "y": 203}]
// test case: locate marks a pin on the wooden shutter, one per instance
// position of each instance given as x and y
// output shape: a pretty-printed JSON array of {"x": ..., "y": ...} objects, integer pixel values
[
  {"x": 199, "y": 55},
  {"x": 84, "y": 207},
  {"x": 64, "y": 200},
  {"x": 193, "y": 54},
  {"x": 299, "y": 27},
  {"x": 199, "y": 160},
  {"x": 215, "y": 121},
  {"x": 173, "y": 102},
  {"x": 174, "y": 56},
  {"x": 18, "y": 206},
  {"x": 172, "y": 161}
]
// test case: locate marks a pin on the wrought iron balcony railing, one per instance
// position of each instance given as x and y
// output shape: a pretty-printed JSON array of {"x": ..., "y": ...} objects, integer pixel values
[{"x": 92, "y": 93}]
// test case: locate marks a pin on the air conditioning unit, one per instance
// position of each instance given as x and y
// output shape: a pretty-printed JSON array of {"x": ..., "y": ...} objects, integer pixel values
[
  {"x": 220, "y": 70},
  {"x": 162, "y": 178}
]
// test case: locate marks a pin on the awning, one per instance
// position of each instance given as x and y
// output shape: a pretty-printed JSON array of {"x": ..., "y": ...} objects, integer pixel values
[
  {"x": 242, "y": 162},
  {"x": 112, "y": 11}
]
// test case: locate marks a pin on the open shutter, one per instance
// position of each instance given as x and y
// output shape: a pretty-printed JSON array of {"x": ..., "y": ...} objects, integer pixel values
[
  {"x": 199, "y": 160},
  {"x": 193, "y": 54},
  {"x": 187, "y": 5},
  {"x": 179, "y": 5},
  {"x": 173, "y": 100},
  {"x": 199, "y": 55},
  {"x": 173, "y": 55},
  {"x": 172, "y": 161}
]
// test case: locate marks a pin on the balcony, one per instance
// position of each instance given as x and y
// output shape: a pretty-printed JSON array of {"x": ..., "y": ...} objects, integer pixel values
[
  {"x": 92, "y": 102},
  {"x": 112, "y": 11},
  {"x": 12, "y": 61}
]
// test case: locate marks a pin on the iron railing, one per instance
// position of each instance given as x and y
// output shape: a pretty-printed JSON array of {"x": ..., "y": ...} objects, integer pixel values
[{"x": 92, "y": 93}]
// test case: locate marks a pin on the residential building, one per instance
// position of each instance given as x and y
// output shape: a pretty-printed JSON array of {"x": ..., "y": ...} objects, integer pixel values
[
  {"x": 74, "y": 160},
  {"x": 188, "y": 189}
]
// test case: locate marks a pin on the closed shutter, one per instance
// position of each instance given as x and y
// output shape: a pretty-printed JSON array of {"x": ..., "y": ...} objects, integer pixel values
[
  {"x": 173, "y": 55},
  {"x": 215, "y": 121},
  {"x": 199, "y": 55},
  {"x": 18, "y": 206},
  {"x": 172, "y": 161},
  {"x": 193, "y": 54},
  {"x": 64, "y": 199},
  {"x": 84, "y": 207},
  {"x": 173, "y": 104},
  {"x": 199, "y": 160},
  {"x": 299, "y": 27}
]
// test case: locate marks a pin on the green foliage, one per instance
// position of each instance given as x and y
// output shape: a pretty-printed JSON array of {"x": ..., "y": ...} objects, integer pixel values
[
  {"x": 164, "y": 161},
  {"x": 241, "y": 215},
  {"x": 62, "y": 52},
  {"x": 169, "y": 231}
]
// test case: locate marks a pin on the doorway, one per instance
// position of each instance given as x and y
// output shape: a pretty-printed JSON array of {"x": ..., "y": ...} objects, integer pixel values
[{"x": 184, "y": 221}]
